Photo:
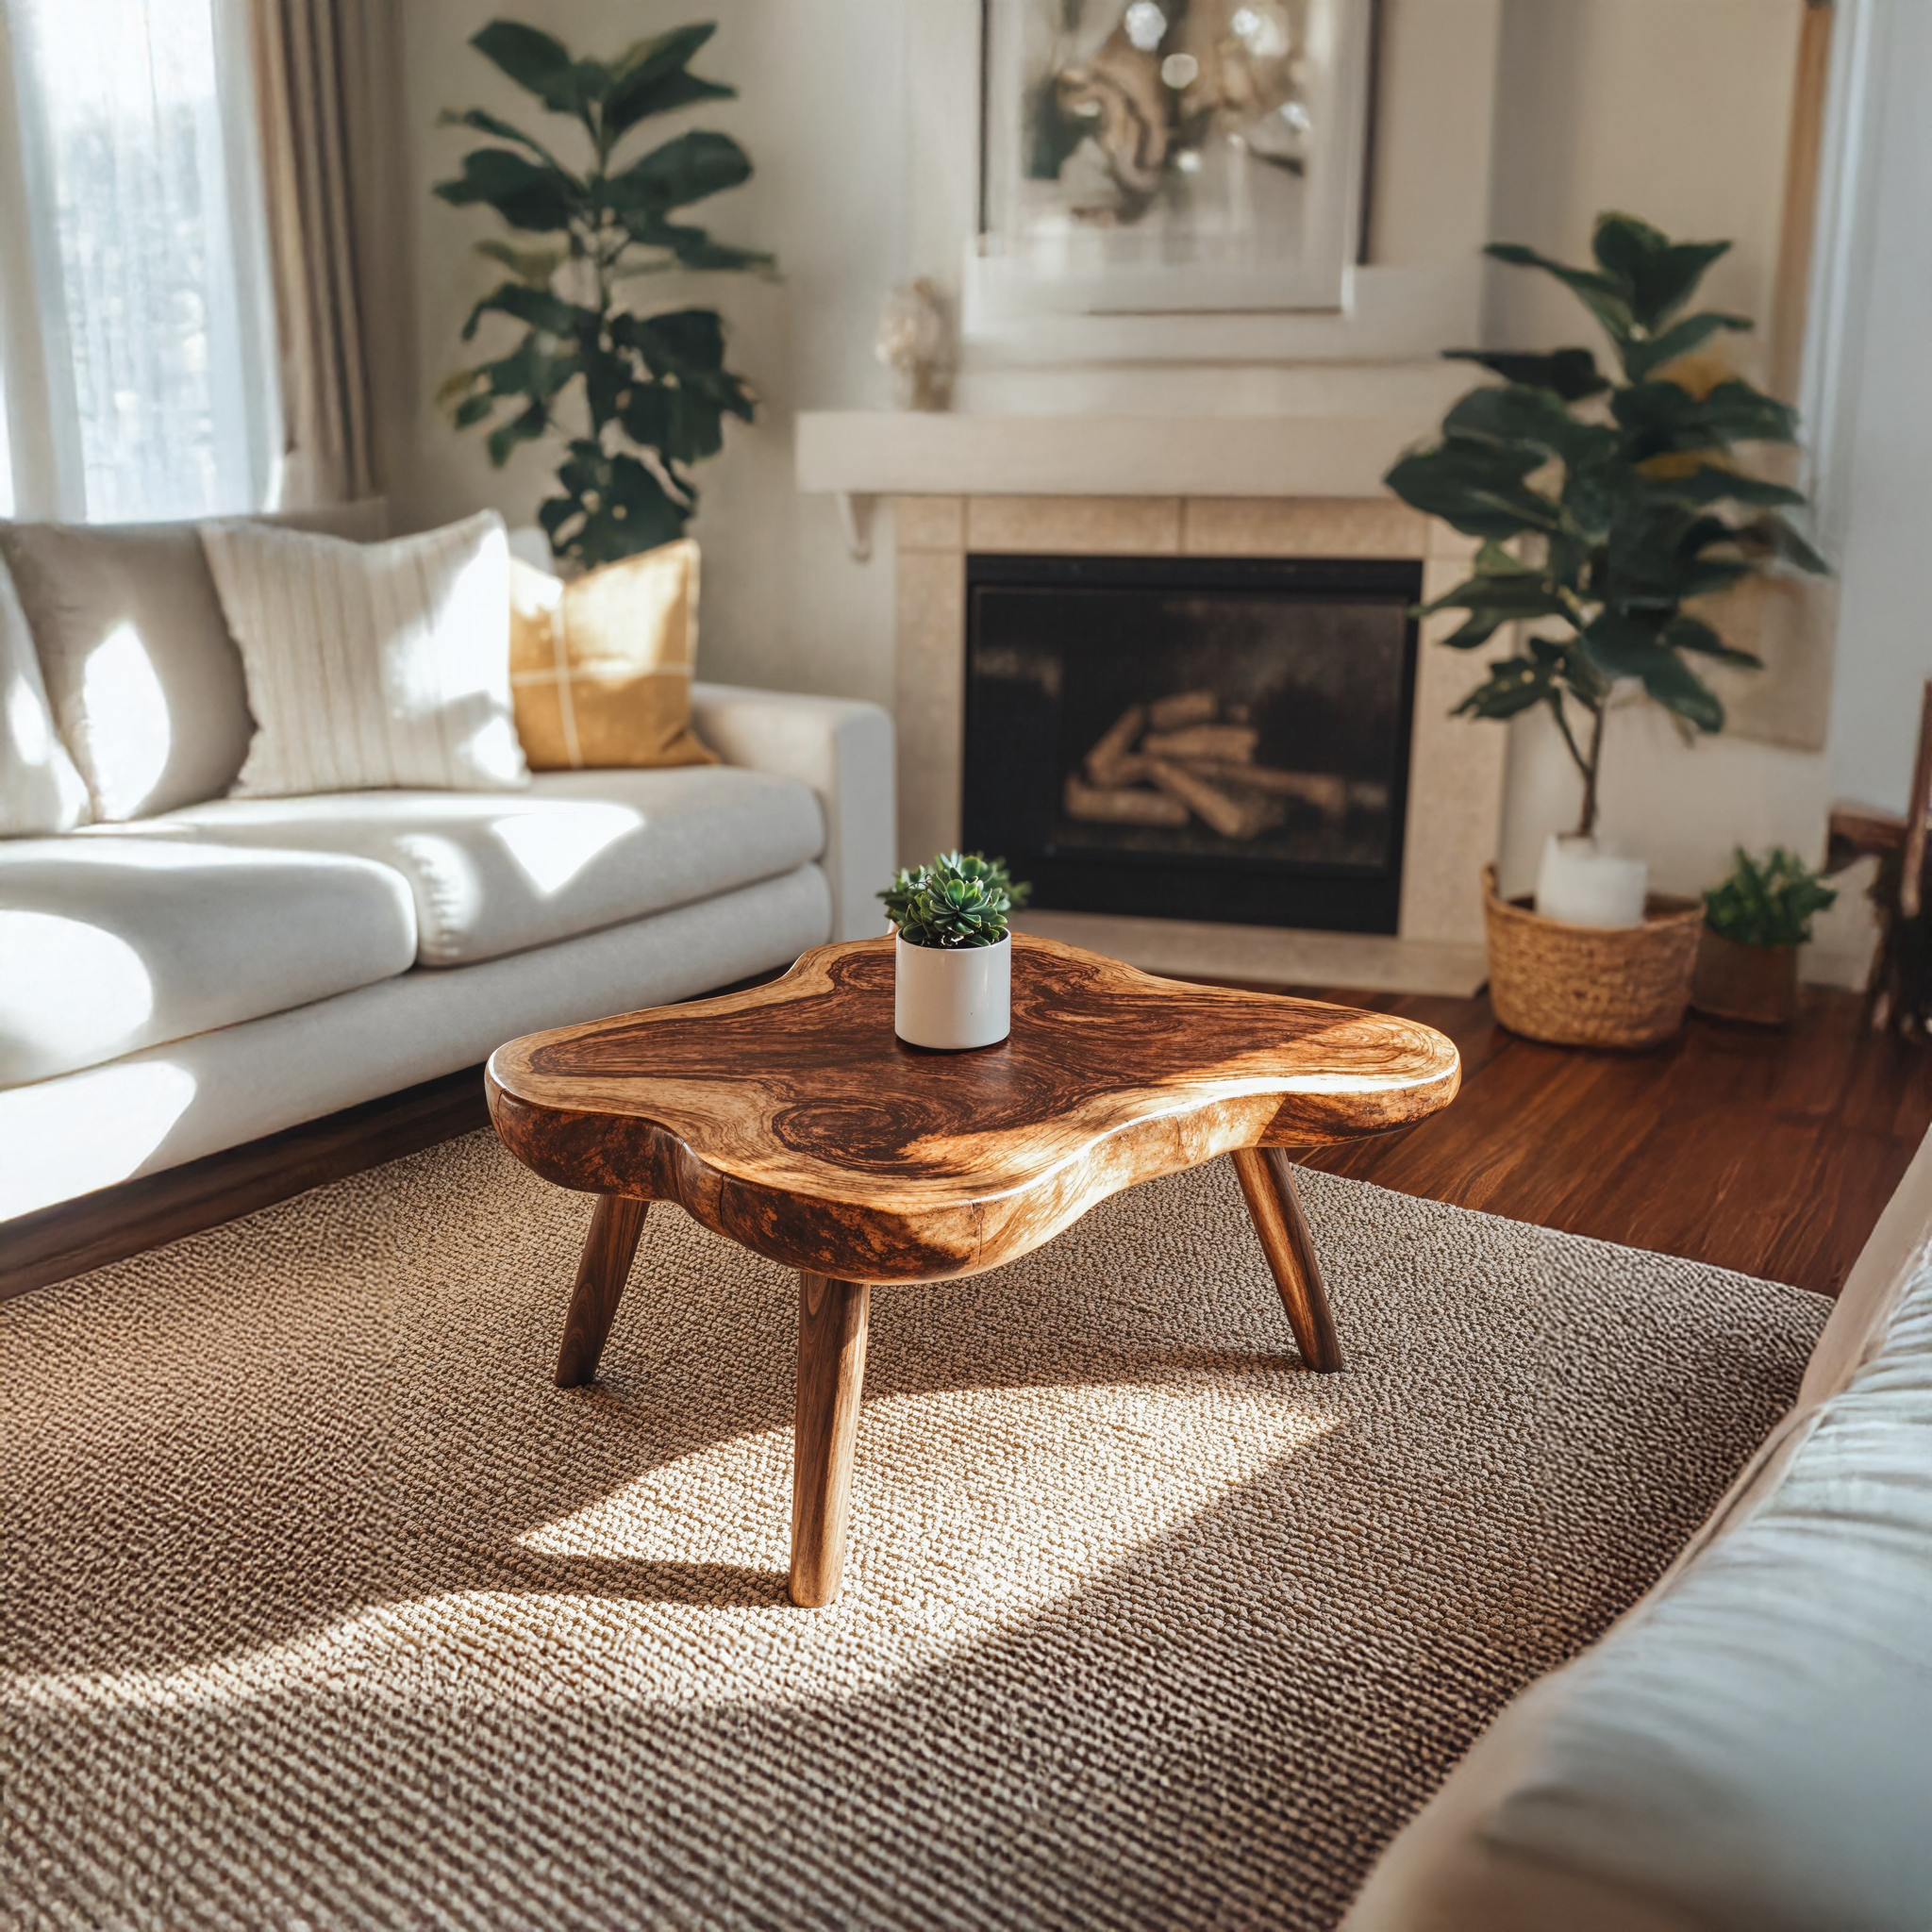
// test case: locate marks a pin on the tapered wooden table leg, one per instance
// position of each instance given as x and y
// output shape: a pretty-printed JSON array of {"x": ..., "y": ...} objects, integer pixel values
[
  {"x": 1268, "y": 1181},
  {"x": 831, "y": 1371},
  {"x": 608, "y": 1249}
]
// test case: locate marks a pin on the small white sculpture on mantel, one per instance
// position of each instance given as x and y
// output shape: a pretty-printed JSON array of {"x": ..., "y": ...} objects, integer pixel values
[{"x": 915, "y": 341}]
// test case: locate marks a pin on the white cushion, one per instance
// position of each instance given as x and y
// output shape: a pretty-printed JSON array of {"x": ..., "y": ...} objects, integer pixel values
[
  {"x": 371, "y": 664},
  {"x": 39, "y": 788},
  {"x": 577, "y": 850},
  {"x": 110, "y": 943},
  {"x": 170, "y": 1104},
  {"x": 1751, "y": 1746}
]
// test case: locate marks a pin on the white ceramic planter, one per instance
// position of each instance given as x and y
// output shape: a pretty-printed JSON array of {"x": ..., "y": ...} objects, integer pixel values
[
  {"x": 952, "y": 999},
  {"x": 1582, "y": 884}
]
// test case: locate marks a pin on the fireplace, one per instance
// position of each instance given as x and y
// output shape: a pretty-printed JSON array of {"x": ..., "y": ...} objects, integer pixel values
[{"x": 1214, "y": 739}]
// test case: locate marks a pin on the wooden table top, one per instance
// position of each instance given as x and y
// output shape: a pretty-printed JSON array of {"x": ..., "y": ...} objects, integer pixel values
[{"x": 793, "y": 1119}]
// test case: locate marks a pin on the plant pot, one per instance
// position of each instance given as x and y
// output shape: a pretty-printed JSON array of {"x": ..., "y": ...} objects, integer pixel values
[
  {"x": 1591, "y": 986},
  {"x": 1739, "y": 982},
  {"x": 1581, "y": 884},
  {"x": 952, "y": 999}
]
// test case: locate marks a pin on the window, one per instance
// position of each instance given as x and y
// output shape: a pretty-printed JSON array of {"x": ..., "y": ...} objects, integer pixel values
[{"x": 141, "y": 374}]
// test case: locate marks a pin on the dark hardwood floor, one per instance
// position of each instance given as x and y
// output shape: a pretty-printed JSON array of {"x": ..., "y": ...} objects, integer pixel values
[{"x": 1770, "y": 1153}]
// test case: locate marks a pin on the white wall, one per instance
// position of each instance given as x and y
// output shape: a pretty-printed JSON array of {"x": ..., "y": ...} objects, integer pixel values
[
  {"x": 821, "y": 111},
  {"x": 1885, "y": 623}
]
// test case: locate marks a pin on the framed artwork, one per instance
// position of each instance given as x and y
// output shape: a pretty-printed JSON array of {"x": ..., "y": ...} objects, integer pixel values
[{"x": 1166, "y": 156}]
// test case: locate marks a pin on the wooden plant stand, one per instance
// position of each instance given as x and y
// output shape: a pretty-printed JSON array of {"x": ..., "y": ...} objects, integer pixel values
[{"x": 790, "y": 1118}]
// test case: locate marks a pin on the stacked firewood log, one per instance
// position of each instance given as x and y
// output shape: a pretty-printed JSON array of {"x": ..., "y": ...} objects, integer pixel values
[{"x": 1189, "y": 757}]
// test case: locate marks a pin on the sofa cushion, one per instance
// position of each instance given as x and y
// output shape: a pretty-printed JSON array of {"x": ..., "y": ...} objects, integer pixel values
[
  {"x": 39, "y": 788},
  {"x": 493, "y": 873},
  {"x": 145, "y": 681},
  {"x": 110, "y": 942},
  {"x": 371, "y": 664}
]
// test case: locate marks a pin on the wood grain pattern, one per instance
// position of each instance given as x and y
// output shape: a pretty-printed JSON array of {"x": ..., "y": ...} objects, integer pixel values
[
  {"x": 832, "y": 1317},
  {"x": 793, "y": 1120},
  {"x": 608, "y": 1250},
  {"x": 1268, "y": 1183}
]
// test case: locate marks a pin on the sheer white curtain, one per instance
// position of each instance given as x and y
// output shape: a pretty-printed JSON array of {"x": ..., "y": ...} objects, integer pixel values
[{"x": 138, "y": 330}]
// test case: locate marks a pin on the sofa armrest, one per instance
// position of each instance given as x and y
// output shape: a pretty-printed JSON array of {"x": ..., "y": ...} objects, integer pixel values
[{"x": 844, "y": 750}]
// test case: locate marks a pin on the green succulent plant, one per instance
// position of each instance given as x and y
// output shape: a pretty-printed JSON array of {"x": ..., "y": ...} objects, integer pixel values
[
  {"x": 637, "y": 398},
  {"x": 955, "y": 901},
  {"x": 1767, "y": 905},
  {"x": 1621, "y": 499}
]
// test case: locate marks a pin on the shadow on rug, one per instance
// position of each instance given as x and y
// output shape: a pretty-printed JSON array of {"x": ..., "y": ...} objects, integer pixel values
[{"x": 323, "y": 1607}]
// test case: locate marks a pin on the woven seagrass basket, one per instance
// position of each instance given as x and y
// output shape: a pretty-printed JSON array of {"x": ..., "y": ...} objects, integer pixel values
[{"x": 1591, "y": 986}]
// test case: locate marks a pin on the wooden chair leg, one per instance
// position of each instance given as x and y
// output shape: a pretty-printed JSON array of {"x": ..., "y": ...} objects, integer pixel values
[
  {"x": 831, "y": 1371},
  {"x": 1268, "y": 1181},
  {"x": 608, "y": 1250}
]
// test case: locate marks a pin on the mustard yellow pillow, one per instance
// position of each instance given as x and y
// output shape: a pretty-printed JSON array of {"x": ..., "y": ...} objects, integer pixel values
[{"x": 601, "y": 666}]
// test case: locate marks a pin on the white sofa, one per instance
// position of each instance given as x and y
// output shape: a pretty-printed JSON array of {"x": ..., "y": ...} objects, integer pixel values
[
  {"x": 180, "y": 983},
  {"x": 1750, "y": 1747}
]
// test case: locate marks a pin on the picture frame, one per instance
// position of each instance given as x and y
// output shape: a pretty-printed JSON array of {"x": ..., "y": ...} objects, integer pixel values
[{"x": 1170, "y": 157}]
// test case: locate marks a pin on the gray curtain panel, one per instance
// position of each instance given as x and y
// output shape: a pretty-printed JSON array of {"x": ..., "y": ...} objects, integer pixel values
[{"x": 324, "y": 72}]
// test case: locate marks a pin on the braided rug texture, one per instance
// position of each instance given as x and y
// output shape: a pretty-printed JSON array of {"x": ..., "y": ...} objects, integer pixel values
[{"x": 323, "y": 1607}]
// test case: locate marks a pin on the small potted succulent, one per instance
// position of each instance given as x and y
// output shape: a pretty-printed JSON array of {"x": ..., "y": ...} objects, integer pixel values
[
  {"x": 953, "y": 952},
  {"x": 1754, "y": 924}
]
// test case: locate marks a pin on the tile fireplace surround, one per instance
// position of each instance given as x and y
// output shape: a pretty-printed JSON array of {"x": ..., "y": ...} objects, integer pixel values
[{"x": 1455, "y": 768}]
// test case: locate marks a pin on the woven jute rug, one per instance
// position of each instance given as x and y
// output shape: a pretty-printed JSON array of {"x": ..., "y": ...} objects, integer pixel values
[{"x": 324, "y": 1608}]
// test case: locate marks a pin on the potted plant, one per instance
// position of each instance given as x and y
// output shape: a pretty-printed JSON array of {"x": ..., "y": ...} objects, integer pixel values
[
  {"x": 636, "y": 397},
  {"x": 953, "y": 951},
  {"x": 1754, "y": 924},
  {"x": 1603, "y": 508}
]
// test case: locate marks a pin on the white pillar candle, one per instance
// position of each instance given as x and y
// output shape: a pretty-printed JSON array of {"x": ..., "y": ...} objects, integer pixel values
[{"x": 1582, "y": 884}]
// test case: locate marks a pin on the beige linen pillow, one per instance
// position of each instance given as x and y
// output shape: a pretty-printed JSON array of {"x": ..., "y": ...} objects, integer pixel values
[
  {"x": 39, "y": 788},
  {"x": 372, "y": 665},
  {"x": 142, "y": 677},
  {"x": 601, "y": 666}
]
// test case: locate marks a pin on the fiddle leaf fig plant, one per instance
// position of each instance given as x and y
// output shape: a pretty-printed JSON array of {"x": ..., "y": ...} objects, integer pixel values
[
  {"x": 956, "y": 901},
  {"x": 1605, "y": 504},
  {"x": 636, "y": 397}
]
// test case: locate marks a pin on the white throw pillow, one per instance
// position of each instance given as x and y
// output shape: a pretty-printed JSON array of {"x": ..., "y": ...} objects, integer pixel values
[
  {"x": 372, "y": 665},
  {"x": 40, "y": 791}
]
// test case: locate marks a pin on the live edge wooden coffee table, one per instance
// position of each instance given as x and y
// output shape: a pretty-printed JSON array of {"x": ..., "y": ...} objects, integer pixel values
[{"x": 791, "y": 1119}]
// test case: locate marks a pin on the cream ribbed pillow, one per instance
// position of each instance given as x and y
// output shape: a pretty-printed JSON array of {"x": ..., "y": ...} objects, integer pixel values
[{"x": 372, "y": 665}]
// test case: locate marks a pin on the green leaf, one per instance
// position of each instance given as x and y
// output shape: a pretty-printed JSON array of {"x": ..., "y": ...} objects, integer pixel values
[
  {"x": 687, "y": 345},
  {"x": 682, "y": 171},
  {"x": 1773, "y": 536},
  {"x": 491, "y": 123},
  {"x": 533, "y": 265},
  {"x": 526, "y": 428},
  {"x": 1516, "y": 413},
  {"x": 1571, "y": 374},
  {"x": 1714, "y": 484},
  {"x": 650, "y": 78},
  {"x": 1692, "y": 634},
  {"x": 1659, "y": 274},
  {"x": 1767, "y": 905},
  {"x": 1624, "y": 647},
  {"x": 1605, "y": 296},
  {"x": 1477, "y": 487},
  {"x": 537, "y": 308},
  {"x": 1513, "y": 685},
  {"x": 473, "y": 410},
  {"x": 1664, "y": 418},
  {"x": 535, "y": 62},
  {"x": 1641, "y": 357},
  {"x": 525, "y": 193}
]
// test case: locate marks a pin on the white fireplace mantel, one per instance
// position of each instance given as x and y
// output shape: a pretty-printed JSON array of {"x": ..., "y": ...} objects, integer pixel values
[{"x": 1342, "y": 430}]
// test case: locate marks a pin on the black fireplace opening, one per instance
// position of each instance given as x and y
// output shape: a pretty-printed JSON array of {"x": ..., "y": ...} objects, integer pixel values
[{"x": 1193, "y": 738}]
